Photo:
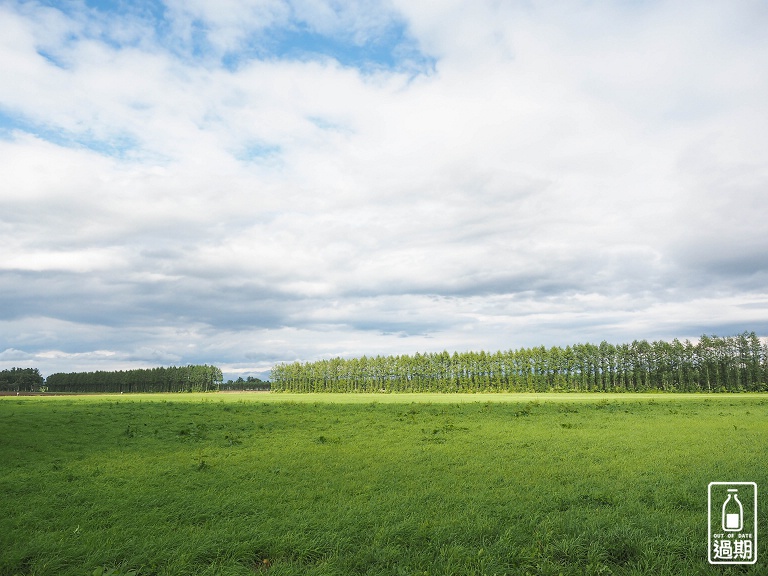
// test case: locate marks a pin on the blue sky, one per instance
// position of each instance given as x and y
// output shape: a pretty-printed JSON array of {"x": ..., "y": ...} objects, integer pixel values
[{"x": 250, "y": 182}]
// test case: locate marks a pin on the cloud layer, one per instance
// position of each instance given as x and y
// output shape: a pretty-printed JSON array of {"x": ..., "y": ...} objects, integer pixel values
[{"x": 271, "y": 181}]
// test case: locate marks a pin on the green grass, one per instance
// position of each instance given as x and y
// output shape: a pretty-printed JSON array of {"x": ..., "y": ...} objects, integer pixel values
[{"x": 244, "y": 484}]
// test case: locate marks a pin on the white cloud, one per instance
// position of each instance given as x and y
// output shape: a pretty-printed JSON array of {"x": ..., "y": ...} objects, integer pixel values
[
  {"x": 225, "y": 24},
  {"x": 13, "y": 355}
]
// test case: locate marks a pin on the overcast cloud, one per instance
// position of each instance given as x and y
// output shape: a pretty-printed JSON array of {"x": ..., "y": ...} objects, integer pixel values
[{"x": 242, "y": 183}]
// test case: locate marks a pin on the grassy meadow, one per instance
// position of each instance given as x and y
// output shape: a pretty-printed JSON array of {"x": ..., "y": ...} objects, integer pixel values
[{"x": 279, "y": 484}]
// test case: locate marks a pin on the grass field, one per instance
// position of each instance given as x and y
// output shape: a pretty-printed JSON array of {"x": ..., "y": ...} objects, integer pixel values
[{"x": 246, "y": 484}]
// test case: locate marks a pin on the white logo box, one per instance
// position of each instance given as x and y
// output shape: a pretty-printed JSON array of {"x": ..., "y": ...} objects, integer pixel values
[{"x": 732, "y": 522}]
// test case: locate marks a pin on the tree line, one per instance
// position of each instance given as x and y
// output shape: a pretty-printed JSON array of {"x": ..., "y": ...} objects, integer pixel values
[
  {"x": 192, "y": 378},
  {"x": 20, "y": 380},
  {"x": 249, "y": 384},
  {"x": 713, "y": 364}
]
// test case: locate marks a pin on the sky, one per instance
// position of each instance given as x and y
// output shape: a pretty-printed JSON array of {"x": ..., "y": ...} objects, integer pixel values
[{"x": 249, "y": 182}]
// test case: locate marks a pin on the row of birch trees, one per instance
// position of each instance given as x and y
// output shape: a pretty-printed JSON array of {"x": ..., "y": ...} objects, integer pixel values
[
  {"x": 713, "y": 364},
  {"x": 192, "y": 378}
]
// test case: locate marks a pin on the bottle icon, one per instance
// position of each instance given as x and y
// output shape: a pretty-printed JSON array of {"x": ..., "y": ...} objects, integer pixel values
[{"x": 733, "y": 512}]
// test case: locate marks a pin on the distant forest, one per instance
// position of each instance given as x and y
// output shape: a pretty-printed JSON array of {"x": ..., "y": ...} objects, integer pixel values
[
  {"x": 192, "y": 378},
  {"x": 714, "y": 364},
  {"x": 250, "y": 383},
  {"x": 20, "y": 380},
  {"x": 173, "y": 379}
]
